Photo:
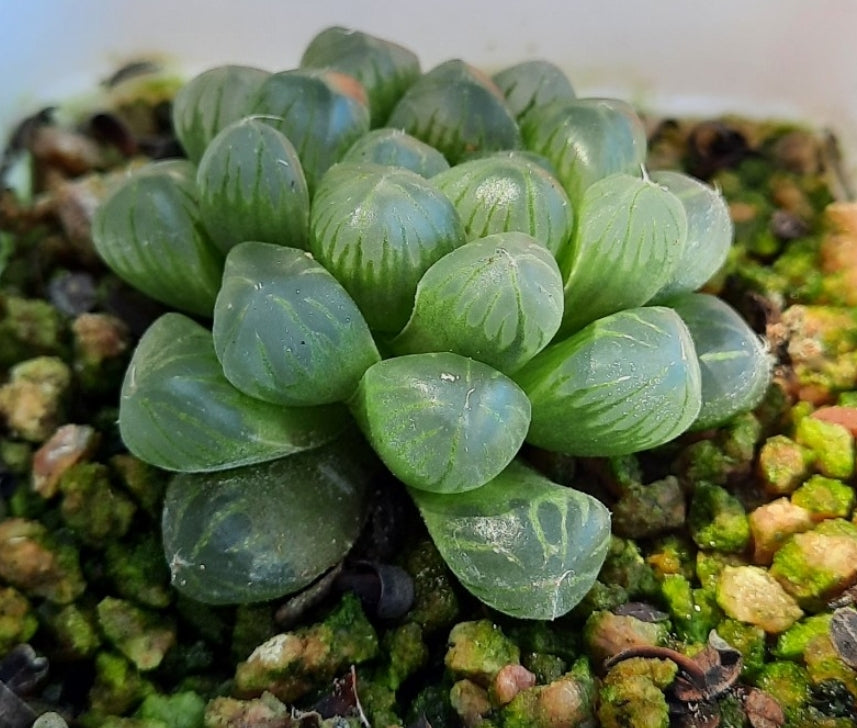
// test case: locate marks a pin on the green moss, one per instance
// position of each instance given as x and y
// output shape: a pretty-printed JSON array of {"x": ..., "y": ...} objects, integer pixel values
[
  {"x": 633, "y": 694},
  {"x": 144, "y": 482},
  {"x": 546, "y": 667},
  {"x": 141, "y": 636},
  {"x": 17, "y": 621},
  {"x": 784, "y": 464},
  {"x": 118, "y": 688},
  {"x": 694, "y": 612},
  {"x": 29, "y": 328},
  {"x": 673, "y": 554},
  {"x": 432, "y": 704},
  {"x": 830, "y": 443},
  {"x": 435, "y": 602},
  {"x": 95, "y": 510},
  {"x": 647, "y": 510},
  {"x": 570, "y": 701},
  {"x": 740, "y": 436},
  {"x": 600, "y": 596},
  {"x": 253, "y": 625},
  {"x": 749, "y": 641},
  {"x": 732, "y": 713},
  {"x": 606, "y": 634},
  {"x": 477, "y": 651},
  {"x": 709, "y": 565},
  {"x": 406, "y": 652},
  {"x": 16, "y": 456},
  {"x": 817, "y": 563},
  {"x": 139, "y": 571},
  {"x": 291, "y": 664},
  {"x": 792, "y": 643},
  {"x": 705, "y": 461},
  {"x": 179, "y": 710},
  {"x": 73, "y": 630},
  {"x": 717, "y": 520},
  {"x": 787, "y": 683},
  {"x": 825, "y": 497}
]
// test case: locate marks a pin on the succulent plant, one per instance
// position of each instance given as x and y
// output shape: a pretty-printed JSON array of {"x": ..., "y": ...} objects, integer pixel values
[{"x": 360, "y": 303}]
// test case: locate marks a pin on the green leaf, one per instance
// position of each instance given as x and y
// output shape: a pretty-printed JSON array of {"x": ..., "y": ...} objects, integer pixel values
[
  {"x": 734, "y": 361},
  {"x": 252, "y": 187},
  {"x": 286, "y": 331},
  {"x": 586, "y": 140},
  {"x": 441, "y": 422},
  {"x": 378, "y": 229},
  {"x": 385, "y": 69},
  {"x": 457, "y": 109},
  {"x": 504, "y": 193},
  {"x": 525, "y": 546},
  {"x": 322, "y": 113},
  {"x": 177, "y": 411},
  {"x": 394, "y": 148},
  {"x": 533, "y": 83},
  {"x": 709, "y": 233},
  {"x": 497, "y": 299},
  {"x": 259, "y": 532},
  {"x": 630, "y": 236},
  {"x": 210, "y": 102},
  {"x": 150, "y": 232},
  {"x": 627, "y": 382}
]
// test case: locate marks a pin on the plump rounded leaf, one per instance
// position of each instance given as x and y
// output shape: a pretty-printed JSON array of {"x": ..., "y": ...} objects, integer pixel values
[
  {"x": 533, "y": 83},
  {"x": 441, "y": 422},
  {"x": 258, "y": 532},
  {"x": 626, "y": 382},
  {"x": 497, "y": 299},
  {"x": 150, "y": 232},
  {"x": 252, "y": 187},
  {"x": 502, "y": 193},
  {"x": 395, "y": 148},
  {"x": 630, "y": 236},
  {"x": 177, "y": 411},
  {"x": 384, "y": 68},
  {"x": 378, "y": 229},
  {"x": 525, "y": 546},
  {"x": 321, "y": 112},
  {"x": 709, "y": 232},
  {"x": 286, "y": 331},
  {"x": 458, "y": 110},
  {"x": 210, "y": 102},
  {"x": 735, "y": 363},
  {"x": 586, "y": 140}
]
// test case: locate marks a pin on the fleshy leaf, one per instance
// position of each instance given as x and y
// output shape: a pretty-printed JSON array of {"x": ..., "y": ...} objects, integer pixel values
[
  {"x": 497, "y": 299},
  {"x": 626, "y": 382},
  {"x": 395, "y": 148},
  {"x": 586, "y": 140},
  {"x": 533, "y": 83},
  {"x": 630, "y": 236},
  {"x": 261, "y": 531},
  {"x": 150, "y": 232},
  {"x": 441, "y": 422},
  {"x": 177, "y": 411},
  {"x": 286, "y": 331},
  {"x": 457, "y": 109},
  {"x": 733, "y": 359},
  {"x": 321, "y": 112},
  {"x": 502, "y": 193},
  {"x": 210, "y": 102},
  {"x": 252, "y": 187},
  {"x": 709, "y": 233},
  {"x": 385, "y": 69},
  {"x": 522, "y": 544},
  {"x": 378, "y": 229}
]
